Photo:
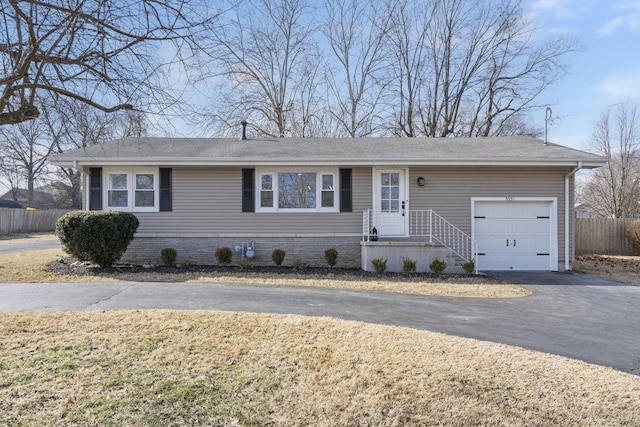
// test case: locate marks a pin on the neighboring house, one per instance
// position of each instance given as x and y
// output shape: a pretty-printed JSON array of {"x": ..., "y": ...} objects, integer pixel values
[
  {"x": 506, "y": 202},
  {"x": 61, "y": 194},
  {"x": 585, "y": 210},
  {"x": 50, "y": 196},
  {"x": 40, "y": 200}
]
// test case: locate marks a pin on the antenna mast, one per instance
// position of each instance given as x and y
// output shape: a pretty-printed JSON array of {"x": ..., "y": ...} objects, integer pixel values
[{"x": 547, "y": 119}]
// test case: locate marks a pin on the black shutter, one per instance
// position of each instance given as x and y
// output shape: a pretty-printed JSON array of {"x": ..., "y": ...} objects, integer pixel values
[
  {"x": 165, "y": 190},
  {"x": 248, "y": 178},
  {"x": 95, "y": 189},
  {"x": 345, "y": 190}
]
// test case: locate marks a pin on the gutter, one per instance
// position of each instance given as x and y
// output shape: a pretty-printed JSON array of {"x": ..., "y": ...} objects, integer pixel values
[
  {"x": 105, "y": 162},
  {"x": 567, "y": 264}
]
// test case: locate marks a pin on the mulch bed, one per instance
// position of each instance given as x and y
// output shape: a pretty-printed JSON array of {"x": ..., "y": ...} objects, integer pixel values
[{"x": 69, "y": 266}]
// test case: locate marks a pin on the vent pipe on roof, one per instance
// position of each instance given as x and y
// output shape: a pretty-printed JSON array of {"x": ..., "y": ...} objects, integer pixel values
[{"x": 244, "y": 129}]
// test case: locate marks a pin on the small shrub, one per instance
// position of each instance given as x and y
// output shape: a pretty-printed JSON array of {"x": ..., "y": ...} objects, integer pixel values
[
  {"x": 331, "y": 256},
  {"x": 188, "y": 264},
  {"x": 409, "y": 265},
  {"x": 379, "y": 265},
  {"x": 169, "y": 256},
  {"x": 300, "y": 265},
  {"x": 633, "y": 231},
  {"x": 224, "y": 255},
  {"x": 278, "y": 256},
  {"x": 245, "y": 264},
  {"x": 469, "y": 267},
  {"x": 438, "y": 266},
  {"x": 101, "y": 237}
]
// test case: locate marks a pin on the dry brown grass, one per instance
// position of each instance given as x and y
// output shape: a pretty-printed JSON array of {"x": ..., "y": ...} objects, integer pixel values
[
  {"x": 211, "y": 368},
  {"x": 29, "y": 267},
  {"x": 614, "y": 267}
]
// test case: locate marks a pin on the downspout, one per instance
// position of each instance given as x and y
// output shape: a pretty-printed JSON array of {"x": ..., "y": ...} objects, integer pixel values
[{"x": 567, "y": 211}]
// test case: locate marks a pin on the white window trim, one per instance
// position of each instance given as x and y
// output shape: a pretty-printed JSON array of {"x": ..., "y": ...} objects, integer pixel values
[
  {"x": 318, "y": 171},
  {"x": 131, "y": 173}
]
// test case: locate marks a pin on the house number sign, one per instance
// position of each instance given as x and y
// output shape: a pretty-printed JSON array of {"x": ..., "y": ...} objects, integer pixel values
[{"x": 509, "y": 198}]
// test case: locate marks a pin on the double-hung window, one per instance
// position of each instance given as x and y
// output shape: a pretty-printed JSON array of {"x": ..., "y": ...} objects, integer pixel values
[
  {"x": 302, "y": 190},
  {"x": 132, "y": 189}
]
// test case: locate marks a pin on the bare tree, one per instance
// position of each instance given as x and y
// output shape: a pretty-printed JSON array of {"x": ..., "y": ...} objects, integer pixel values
[
  {"x": 10, "y": 176},
  {"x": 26, "y": 148},
  {"x": 468, "y": 67},
  {"x": 99, "y": 52},
  {"x": 613, "y": 191},
  {"x": 72, "y": 124},
  {"x": 356, "y": 31},
  {"x": 264, "y": 54},
  {"x": 408, "y": 48}
]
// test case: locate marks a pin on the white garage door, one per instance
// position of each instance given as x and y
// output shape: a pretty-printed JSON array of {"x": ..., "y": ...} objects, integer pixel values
[{"x": 514, "y": 235}]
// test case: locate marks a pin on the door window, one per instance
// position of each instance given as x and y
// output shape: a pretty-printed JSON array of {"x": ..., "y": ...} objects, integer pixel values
[{"x": 390, "y": 192}]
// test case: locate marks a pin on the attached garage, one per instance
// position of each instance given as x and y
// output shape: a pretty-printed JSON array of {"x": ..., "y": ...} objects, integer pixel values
[{"x": 515, "y": 233}]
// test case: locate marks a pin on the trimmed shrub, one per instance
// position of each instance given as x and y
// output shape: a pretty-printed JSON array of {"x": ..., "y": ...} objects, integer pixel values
[
  {"x": 331, "y": 256},
  {"x": 245, "y": 264},
  {"x": 101, "y": 237},
  {"x": 438, "y": 266},
  {"x": 224, "y": 255},
  {"x": 188, "y": 264},
  {"x": 469, "y": 267},
  {"x": 379, "y": 265},
  {"x": 409, "y": 266},
  {"x": 300, "y": 265},
  {"x": 169, "y": 256},
  {"x": 278, "y": 256}
]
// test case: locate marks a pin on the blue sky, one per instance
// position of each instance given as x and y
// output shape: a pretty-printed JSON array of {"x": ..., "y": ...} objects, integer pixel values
[{"x": 605, "y": 73}]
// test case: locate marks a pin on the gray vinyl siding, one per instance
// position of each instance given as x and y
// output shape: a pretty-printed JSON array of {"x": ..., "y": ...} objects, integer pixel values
[
  {"x": 448, "y": 191},
  {"x": 208, "y": 201}
]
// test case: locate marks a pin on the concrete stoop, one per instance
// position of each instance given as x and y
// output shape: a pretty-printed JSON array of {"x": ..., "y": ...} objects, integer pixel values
[{"x": 395, "y": 251}]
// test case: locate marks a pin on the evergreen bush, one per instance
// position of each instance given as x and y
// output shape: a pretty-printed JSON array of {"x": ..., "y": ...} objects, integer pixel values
[
  {"x": 224, "y": 255},
  {"x": 409, "y": 265},
  {"x": 331, "y": 256},
  {"x": 438, "y": 266},
  {"x": 101, "y": 237},
  {"x": 379, "y": 265},
  {"x": 300, "y": 265},
  {"x": 169, "y": 256},
  {"x": 278, "y": 256},
  {"x": 469, "y": 266}
]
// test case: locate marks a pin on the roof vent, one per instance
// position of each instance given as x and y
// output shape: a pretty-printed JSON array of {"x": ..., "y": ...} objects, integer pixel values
[{"x": 244, "y": 129}]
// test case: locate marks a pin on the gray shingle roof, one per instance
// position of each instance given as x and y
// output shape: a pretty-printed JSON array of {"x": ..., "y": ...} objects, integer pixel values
[{"x": 327, "y": 151}]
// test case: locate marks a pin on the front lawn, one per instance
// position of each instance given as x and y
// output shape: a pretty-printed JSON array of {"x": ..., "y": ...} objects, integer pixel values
[{"x": 210, "y": 368}]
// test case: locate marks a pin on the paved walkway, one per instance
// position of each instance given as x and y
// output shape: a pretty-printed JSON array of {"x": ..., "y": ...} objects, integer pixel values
[{"x": 569, "y": 314}]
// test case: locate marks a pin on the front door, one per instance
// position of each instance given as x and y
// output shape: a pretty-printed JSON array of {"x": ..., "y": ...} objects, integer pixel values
[{"x": 391, "y": 211}]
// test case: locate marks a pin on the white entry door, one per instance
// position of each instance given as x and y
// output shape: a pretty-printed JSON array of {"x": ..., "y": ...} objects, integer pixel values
[
  {"x": 391, "y": 211},
  {"x": 515, "y": 235}
]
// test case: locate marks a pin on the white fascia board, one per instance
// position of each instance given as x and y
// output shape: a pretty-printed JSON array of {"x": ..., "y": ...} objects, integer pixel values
[{"x": 333, "y": 162}]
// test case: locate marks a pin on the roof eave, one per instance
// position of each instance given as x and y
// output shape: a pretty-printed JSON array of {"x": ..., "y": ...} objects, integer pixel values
[{"x": 586, "y": 163}]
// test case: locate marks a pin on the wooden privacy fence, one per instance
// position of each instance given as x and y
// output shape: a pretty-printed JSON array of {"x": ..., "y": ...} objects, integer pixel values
[
  {"x": 604, "y": 236},
  {"x": 26, "y": 221}
]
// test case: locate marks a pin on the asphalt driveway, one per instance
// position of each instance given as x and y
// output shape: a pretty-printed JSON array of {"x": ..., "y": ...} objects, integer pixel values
[
  {"x": 569, "y": 314},
  {"x": 11, "y": 247}
]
